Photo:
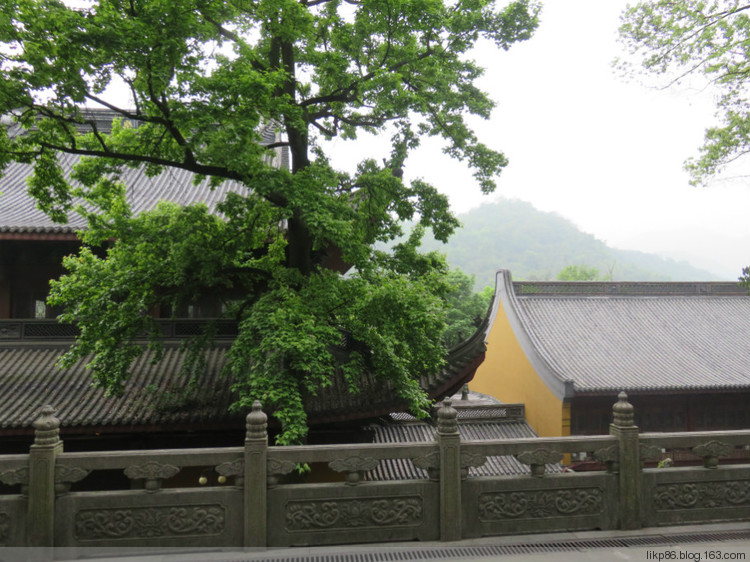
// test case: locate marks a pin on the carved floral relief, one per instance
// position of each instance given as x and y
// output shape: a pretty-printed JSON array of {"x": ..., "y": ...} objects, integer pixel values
[
  {"x": 141, "y": 523},
  {"x": 696, "y": 495},
  {"x": 344, "y": 514},
  {"x": 539, "y": 503}
]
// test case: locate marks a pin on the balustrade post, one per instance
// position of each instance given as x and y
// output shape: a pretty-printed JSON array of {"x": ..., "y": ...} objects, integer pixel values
[
  {"x": 256, "y": 456},
  {"x": 40, "y": 518},
  {"x": 629, "y": 463},
  {"x": 449, "y": 442}
]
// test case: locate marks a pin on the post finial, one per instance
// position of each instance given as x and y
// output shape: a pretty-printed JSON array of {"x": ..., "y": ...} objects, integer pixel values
[
  {"x": 622, "y": 411},
  {"x": 256, "y": 423},
  {"x": 46, "y": 427},
  {"x": 447, "y": 418}
]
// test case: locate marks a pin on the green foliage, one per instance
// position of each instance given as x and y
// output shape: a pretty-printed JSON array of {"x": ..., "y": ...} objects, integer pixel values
[
  {"x": 745, "y": 278},
  {"x": 206, "y": 81},
  {"x": 708, "y": 38},
  {"x": 466, "y": 309},
  {"x": 578, "y": 273}
]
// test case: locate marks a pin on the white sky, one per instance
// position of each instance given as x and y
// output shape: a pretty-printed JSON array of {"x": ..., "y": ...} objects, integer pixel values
[{"x": 603, "y": 152}]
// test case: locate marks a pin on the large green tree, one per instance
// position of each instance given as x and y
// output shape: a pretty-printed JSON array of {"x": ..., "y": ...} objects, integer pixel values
[
  {"x": 704, "y": 41},
  {"x": 204, "y": 80}
]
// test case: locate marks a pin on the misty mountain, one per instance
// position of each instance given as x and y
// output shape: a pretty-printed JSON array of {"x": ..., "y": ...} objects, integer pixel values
[{"x": 536, "y": 245}]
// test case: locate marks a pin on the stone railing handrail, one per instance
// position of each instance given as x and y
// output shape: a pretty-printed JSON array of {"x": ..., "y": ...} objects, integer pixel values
[
  {"x": 379, "y": 451},
  {"x": 682, "y": 440},
  {"x": 328, "y": 453},
  {"x": 123, "y": 459},
  {"x": 708, "y": 445},
  {"x": 11, "y": 462},
  {"x": 500, "y": 447}
]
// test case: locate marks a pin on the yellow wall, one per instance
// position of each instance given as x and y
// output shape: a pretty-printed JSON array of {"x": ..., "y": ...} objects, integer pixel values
[{"x": 508, "y": 375}]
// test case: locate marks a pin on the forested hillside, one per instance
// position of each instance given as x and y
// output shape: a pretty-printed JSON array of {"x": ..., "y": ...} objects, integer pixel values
[{"x": 535, "y": 245}]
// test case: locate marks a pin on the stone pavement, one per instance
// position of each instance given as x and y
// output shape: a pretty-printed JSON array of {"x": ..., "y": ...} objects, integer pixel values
[{"x": 692, "y": 542}]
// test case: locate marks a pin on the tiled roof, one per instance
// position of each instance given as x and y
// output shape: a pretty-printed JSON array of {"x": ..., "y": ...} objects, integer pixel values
[
  {"x": 674, "y": 338},
  {"x": 395, "y": 429},
  {"x": 627, "y": 288},
  {"x": 19, "y": 213},
  {"x": 30, "y": 380},
  {"x": 623, "y": 343}
]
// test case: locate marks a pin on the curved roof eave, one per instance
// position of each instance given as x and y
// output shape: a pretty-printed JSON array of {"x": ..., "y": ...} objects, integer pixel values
[{"x": 561, "y": 387}]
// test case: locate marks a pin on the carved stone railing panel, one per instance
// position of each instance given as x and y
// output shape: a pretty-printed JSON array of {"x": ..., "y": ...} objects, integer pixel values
[
  {"x": 711, "y": 451},
  {"x": 149, "y": 522},
  {"x": 354, "y": 466},
  {"x": 359, "y": 513},
  {"x": 534, "y": 504},
  {"x": 701, "y": 495},
  {"x": 537, "y": 459},
  {"x": 152, "y": 473}
]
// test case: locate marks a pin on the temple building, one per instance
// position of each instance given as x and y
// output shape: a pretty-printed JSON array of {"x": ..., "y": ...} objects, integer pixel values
[{"x": 681, "y": 351}]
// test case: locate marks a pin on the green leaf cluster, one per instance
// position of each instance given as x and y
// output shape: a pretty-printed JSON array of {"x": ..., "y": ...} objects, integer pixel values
[
  {"x": 465, "y": 308},
  {"x": 233, "y": 91}
]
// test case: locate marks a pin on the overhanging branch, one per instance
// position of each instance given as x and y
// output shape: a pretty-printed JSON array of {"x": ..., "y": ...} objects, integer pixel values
[{"x": 194, "y": 167}]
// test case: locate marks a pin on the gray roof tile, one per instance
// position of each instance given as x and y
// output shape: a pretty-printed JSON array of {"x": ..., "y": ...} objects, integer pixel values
[
  {"x": 642, "y": 343},
  {"x": 393, "y": 431},
  {"x": 19, "y": 213},
  {"x": 31, "y": 380}
]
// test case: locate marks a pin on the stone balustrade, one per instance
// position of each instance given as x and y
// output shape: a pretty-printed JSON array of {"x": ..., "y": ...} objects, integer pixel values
[{"x": 260, "y": 495}]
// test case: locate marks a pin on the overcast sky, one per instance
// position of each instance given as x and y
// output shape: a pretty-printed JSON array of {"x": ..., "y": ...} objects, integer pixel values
[{"x": 602, "y": 151}]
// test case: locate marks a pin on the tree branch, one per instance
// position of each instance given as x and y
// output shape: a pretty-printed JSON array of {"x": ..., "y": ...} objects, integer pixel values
[
  {"x": 232, "y": 36},
  {"x": 345, "y": 94},
  {"x": 196, "y": 168},
  {"x": 324, "y": 130},
  {"x": 137, "y": 116}
]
